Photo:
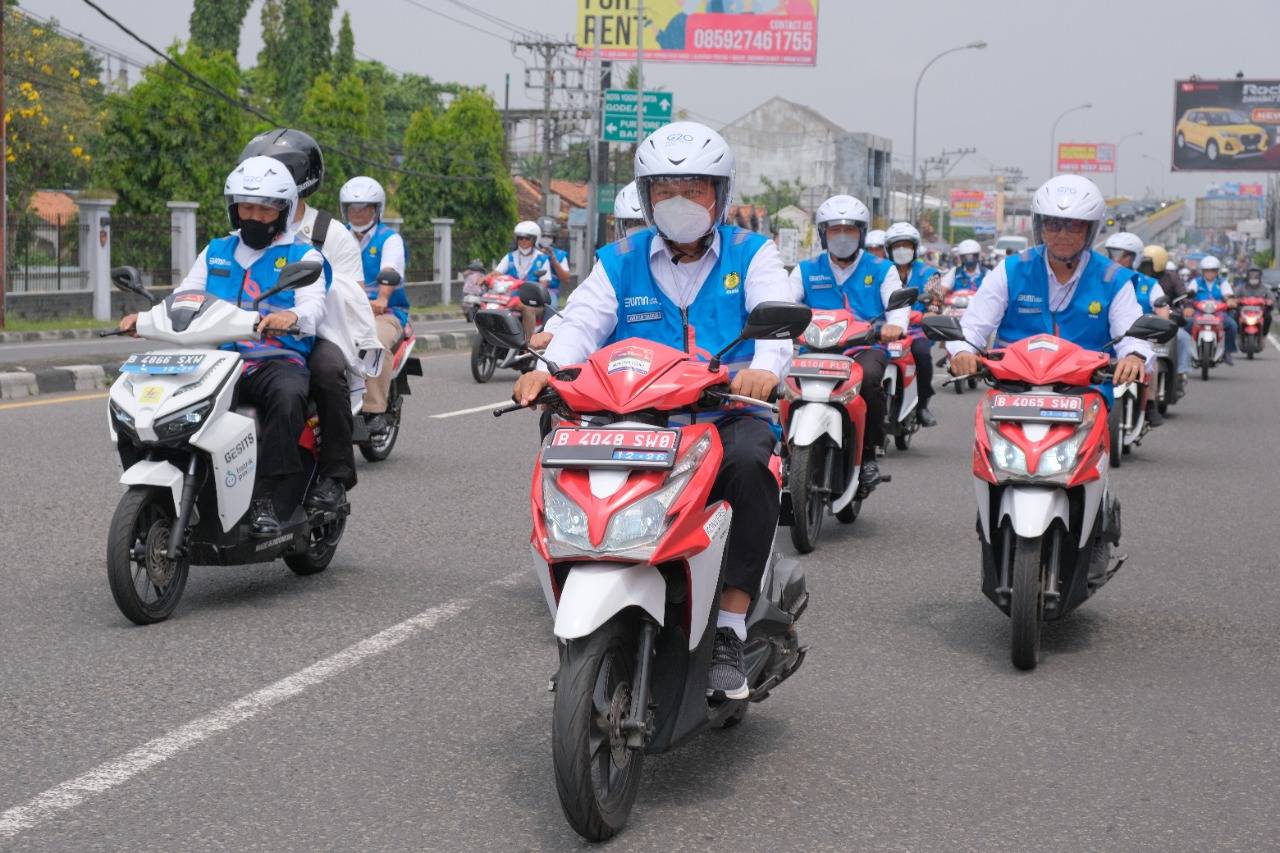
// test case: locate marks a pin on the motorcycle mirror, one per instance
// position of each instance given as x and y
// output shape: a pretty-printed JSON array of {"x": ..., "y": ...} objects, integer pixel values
[
  {"x": 1162, "y": 302},
  {"x": 776, "y": 321},
  {"x": 535, "y": 295},
  {"x": 941, "y": 328},
  {"x": 388, "y": 277},
  {"x": 901, "y": 298},
  {"x": 295, "y": 275},
  {"x": 500, "y": 328},
  {"x": 1151, "y": 328},
  {"x": 129, "y": 279}
]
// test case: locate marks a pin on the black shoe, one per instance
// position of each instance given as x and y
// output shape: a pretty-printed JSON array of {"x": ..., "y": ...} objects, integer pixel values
[
  {"x": 868, "y": 478},
  {"x": 265, "y": 525},
  {"x": 728, "y": 675},
  {"x": 926, "y": 418},
  {"x": 326, "y": 494},
  {"x": 377, "y": 424},
  {"x": 1228, "y": 360}
]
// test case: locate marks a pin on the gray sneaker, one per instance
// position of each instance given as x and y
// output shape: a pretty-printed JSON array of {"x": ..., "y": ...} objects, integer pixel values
[{"x": 728, "y": 675}]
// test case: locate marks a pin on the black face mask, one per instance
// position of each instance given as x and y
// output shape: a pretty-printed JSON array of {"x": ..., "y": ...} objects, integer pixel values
[{"x": 258, "y": 235}]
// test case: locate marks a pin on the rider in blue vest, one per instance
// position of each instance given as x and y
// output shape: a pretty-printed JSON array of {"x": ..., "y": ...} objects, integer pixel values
[
  {"x": 844, "y": 275},
  {"x": 903, "y": 243},
  {"x": 689, "y": 283},
  {"x": 557, "y": 259},
  {"x": 1126, "y": 249},
  {"x": 1209, "y": 285},
  {"x": 1059, "y": 286},
  {"x": 362, "y": 201},
  {"x": 526, "y": 262},
  {"x": 967, "y": 275},
  {"x": 261, "y": 197}
]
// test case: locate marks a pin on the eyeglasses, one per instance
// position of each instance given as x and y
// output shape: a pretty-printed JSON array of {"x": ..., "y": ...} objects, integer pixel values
[{"x": 1071, "y": 226}]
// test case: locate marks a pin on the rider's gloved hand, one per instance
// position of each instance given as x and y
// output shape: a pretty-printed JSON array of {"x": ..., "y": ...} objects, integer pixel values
[
  {"x": 964, "y": 364},
  {"x": 529, "y": 386},
  {"x": 1128, "y": 369},
  {"x": 757, "y": 384}
]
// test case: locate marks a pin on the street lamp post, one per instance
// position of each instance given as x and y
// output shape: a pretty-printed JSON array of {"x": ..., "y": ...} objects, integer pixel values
[
  {"x": 1115, "y": 167},
  {"x": 1161, "y": 167},
  {"x": 1053, "y": 136},
  {"x": 915, "y": 114}
]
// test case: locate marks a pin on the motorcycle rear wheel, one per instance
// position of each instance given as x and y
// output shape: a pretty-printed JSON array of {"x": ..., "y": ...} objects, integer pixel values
[
  {"x": 597, "y": 775},
  {"x": 378, "y": 448},
  {"x": 321, "y": 548},
  {"x": 484, "y": 360},
  {"x": 808, "y": 507},
  {"x": 1026, "y": 605},
  {"x": 902, "y": 440},
  {"x": 147, "y": 589},
  {"x": 849, "y": 514}
]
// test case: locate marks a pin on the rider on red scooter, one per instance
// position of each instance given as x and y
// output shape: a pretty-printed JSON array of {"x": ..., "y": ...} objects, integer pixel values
[
  {"x": 1210, "y": 285},
  {"x": 693, "y": 279},
  {"x": 1059, "y": 286},
  {"x": 847, "y": 274}
]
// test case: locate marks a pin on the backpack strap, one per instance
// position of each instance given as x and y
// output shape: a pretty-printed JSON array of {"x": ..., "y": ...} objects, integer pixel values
[{"x": 320, "y": 230}]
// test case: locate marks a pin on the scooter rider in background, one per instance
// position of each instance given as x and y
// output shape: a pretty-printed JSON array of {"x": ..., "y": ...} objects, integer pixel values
[
  {"x": 346, "y": 348},
  {"x": 874, "y": 244},
  {"x": 846, "y": 273},
  {"x": 1155, "y": 257},
  {"x": 691, "y": 266},
  {"x": 1059, "y": 286},
  {"x": 527, "y": 263},
  {"x": 903, "y": 242},
  {"x": 968, "y": 272},
  {"x": 557, "y": 258},
  {"x": 362, "y": 201},
  {"x": 261, "y": 200},
  {"x": 1208, "y": 286},
  {"x": 1253, "y": 288},
  {"x": 1126, "y": 248}
]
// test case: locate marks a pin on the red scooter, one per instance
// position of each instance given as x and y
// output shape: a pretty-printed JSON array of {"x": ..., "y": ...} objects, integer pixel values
[
  {"x": 1209, "y": 334},
  {"x": 403, "y": 364},
  {"x": 1047, "y": 519},
  {"x": 901, "y": 393},
  {"x": 501, "y": 292},
  {"x": 1252, "y": 311},
  {"x": 629, "y": 551}
]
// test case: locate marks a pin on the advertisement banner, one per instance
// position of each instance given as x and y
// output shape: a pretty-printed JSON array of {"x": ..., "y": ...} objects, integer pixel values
[
  {"x": 1087, "y": 157},
  {"x": 1226, "y": 125},
  {"x": 974, "y": 209},
  {"x": 1234, "y": 189},
  {"x": 763, "y": 32}
]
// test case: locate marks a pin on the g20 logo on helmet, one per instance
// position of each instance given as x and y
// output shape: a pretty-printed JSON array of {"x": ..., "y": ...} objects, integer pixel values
[{"x": 679, "y": 137}]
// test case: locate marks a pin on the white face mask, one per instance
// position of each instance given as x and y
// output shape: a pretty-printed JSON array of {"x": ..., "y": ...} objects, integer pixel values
[
  {"x": 842, "y": 246},
  {"x": 360, "y": 229},
  {"x": 681, "y": 220},
  {"x": 904, "y": 256}
]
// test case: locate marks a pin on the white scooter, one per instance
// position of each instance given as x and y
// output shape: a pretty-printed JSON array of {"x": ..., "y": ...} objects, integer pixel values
[{"x": 189, "y": 456}]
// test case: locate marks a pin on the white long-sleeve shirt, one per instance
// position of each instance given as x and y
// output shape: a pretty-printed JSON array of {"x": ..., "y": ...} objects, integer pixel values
[
  {"x": 987, "y": 308},
  {"x": 348, "y": 319},
  {"x": 591, "y": 315},
  {"x": 308, "y": 301},
  {"x": 522, "y": 264},
  {"x": 900, "y": 317}
]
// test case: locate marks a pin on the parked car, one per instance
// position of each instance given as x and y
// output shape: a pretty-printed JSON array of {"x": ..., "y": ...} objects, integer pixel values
[
  {"x": 1219, "y": 132},
  {"x": 1010, "y": 241}
]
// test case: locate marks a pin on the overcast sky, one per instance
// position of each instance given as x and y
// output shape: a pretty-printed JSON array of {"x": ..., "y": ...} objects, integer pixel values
[{"x": 1043, "y": 57}]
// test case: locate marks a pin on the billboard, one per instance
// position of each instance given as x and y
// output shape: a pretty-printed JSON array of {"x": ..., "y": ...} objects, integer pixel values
[
  {"x": 1087, "y": 157},
  {"x": 974, "y": 209},
  {"x": 764, "y": 32},
  {"x": 1226, "y": 125}
]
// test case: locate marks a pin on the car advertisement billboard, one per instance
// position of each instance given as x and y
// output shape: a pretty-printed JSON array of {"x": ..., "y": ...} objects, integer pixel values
[
  {"x": 1226, "y": 125},
  {"x": 763, "y": 32},
  {"x": 1090, "y": 157},
  {"x": 974, "y": 209}
]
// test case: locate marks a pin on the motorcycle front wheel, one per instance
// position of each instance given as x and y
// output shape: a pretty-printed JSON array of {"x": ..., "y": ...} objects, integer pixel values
[
  {"x": 144, "y": 582},
  {"x": 1206, "y": 361},
  {"x": 597, "y": 774},
  {"x": 484, "y": 360},
  {"x": 1026, "y": 606}
]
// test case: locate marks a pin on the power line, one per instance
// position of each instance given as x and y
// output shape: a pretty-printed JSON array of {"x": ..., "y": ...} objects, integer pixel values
[
  {"x": 459, "y": 21},
  {"x": 104, "y": 49},
  {"x": 494, "y": 19}
]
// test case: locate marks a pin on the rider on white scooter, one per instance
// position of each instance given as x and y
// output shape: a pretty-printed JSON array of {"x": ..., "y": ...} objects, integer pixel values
[
  {"x": 261, "y": 197},
  {"x": 903, "y": 242},
  {"x": 693, "y": 274},
  {"x": 968, "y": 272}
]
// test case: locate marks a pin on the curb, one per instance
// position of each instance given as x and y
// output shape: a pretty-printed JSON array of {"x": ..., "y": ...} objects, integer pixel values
[{"x": 52, "y": 380}]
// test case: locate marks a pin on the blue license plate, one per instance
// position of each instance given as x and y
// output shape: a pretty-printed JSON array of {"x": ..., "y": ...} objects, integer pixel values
[{"x": 163, "y": 365}]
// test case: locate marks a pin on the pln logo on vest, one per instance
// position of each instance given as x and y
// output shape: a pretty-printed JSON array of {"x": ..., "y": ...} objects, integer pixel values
[
  {"x": 373, "y": 250},
  {"x": 732, "y": 282},
  {"x": 280, "y": 262},
  {"x": 1095, "y": 308},
  {"x": 866, "y": 282}
]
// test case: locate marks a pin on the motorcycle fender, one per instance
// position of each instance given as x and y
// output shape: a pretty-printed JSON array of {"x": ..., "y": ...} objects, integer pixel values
[
  {"x": 1093, "y": 492},
  {"x": 161, "y": 474},
  {"x": 982, "y": 491},
  {"x": 910, "y": 396},
  {"x": 1208, "y": 336},
  {"x": 596, "y": 592},
  {"x": 810, "y": 422},
  {"x": 1031, "y": 509}
]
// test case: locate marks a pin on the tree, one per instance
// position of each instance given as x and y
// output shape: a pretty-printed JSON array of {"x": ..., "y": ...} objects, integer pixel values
[
  {"x": 166, "y": 140},
  {"x": 318, "y": 45},
  {"x": 53, "y": 108},
  {"x": 454, "y": 168},
  {"x": 571, "y": 164},
  {"x": 337, "y": 115},
  {"x": 776, "y": 196},
  {"x": 215, "y": 24},
  {"x": 344, "y": 57},
  {"x": 284, "y": 70}
]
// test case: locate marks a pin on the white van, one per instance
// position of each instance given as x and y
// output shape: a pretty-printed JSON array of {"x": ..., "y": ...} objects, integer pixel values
[{"x": 1010, "y": 241}]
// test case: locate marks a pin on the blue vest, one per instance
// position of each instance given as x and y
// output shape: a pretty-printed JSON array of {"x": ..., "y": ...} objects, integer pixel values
[
  {"x": 1204, "y": 290},
  {"x": 226, "y": 279},
  {"x": 563, "y": 258},
  {"x": 966, "y": 281},
  {"x": 716, "y": 315},
  {"x": 535, "y": 269},
  {"x": 920, "y": 275},
  {"x": 861, "y": 288},
  {"x": 1142, "y": 287},
  {"x": 1085, "y": 321},
  {"x": 371, "y": 259}
]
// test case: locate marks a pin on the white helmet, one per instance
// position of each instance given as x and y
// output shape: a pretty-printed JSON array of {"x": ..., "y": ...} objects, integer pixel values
[
  {"x": 900, "y": 231},
  {"x": 362, "y": 190},
  {"x": 685, "y": 149},
  {"x": 842, "y": 210},
  {"x": 1068, "y": 197},
  {"x": 627, "y": 212},
  {"x": 261, "y": 180},
  {"x": 1125, "y": 241},
  {"x": 528, "y": 228},
  {"x": 1170, "y": 266},
  {"x": 875, "y": 239},
  {"x": 969, "y": 247},
  {"x": 1209, "y": 262}
]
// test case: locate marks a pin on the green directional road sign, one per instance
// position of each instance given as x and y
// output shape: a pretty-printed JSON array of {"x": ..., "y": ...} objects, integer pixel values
[{"x": 620, "y": 113}]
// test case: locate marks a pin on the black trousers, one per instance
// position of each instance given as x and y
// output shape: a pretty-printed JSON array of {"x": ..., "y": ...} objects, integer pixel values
[
  {"x": 333, "y": 405},
  {"x": 872, "y": 361},
  {"x": 922, "y": 352},
  {"x": 749, "y": 486},
  {"x": 278, "y": 390}
]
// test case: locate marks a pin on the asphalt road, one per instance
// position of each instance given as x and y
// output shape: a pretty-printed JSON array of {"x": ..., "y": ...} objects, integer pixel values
[{"x": 1151, "y": 723}]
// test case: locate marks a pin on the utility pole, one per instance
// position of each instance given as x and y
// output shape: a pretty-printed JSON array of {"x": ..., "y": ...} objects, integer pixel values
[
  {"x": 549, "y": 53},
  {"x": 639, "y": 72},
  {"x": 593, "y": 147},
  {"x": 4, "y": 191},
  {"x": 548, "y": 82}
]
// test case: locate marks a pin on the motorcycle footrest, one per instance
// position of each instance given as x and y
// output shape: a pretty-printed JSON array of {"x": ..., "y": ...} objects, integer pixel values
[
  {"x": 759, "y": 694},
  {"x": 800, "y": 606}
]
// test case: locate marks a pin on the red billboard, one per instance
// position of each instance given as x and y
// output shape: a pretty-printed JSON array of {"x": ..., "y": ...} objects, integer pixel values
[{"x": 1086, "y": 157}]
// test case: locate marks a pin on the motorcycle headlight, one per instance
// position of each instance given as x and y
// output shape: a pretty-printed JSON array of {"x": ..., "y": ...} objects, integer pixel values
[
  {"x": 183, "y": 423},
  {"x": 960, "y": 302},
  {"x": 828, "y": 337},
  {"x": 645, "y": 520},
  {"x": 566, "y": 521},
  {"x": 120, "y": 415},
  {"x": 1007, "y": 456},
  {"x": 1059, "y": 459}
]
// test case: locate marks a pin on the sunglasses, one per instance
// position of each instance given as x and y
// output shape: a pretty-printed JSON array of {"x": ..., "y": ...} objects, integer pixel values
[
  {"x": 523, "y": 237},
  {"x": 1071, "y": 226}
]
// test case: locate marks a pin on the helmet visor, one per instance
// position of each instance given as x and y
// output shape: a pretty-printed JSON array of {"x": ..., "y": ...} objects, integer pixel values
[{"x": 265, "y": 201}]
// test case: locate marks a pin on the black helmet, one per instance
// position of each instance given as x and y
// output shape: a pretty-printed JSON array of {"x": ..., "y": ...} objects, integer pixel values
[
  {"x": 477, "y": 265},
  {"x": 296, "y": 150}
]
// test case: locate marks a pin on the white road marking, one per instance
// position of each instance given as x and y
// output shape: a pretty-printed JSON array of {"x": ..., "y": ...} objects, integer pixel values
[
  {"x": 1274, "y": 341},
  {"x": 486, "y": 407},
  {"x": 61, "y": 798}
]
